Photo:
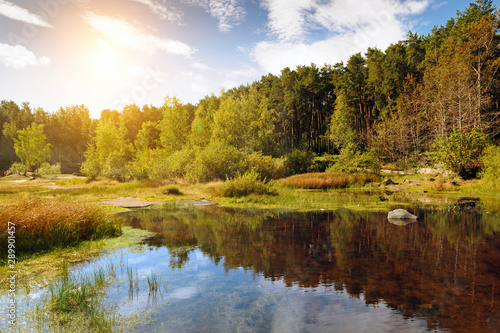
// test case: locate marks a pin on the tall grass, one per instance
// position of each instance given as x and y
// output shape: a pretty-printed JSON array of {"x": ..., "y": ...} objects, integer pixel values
[
  {"x": 326, "y": 180},
  {"x": 43, "y": 224},
  {"x": 154, "y": 283}
]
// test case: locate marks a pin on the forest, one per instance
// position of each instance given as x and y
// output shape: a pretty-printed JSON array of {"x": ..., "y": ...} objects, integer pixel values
[{"x": 424, "y": 100}]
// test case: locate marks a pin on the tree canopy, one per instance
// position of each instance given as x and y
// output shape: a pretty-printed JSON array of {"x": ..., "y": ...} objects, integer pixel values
[{"x": 393, "y": 103}]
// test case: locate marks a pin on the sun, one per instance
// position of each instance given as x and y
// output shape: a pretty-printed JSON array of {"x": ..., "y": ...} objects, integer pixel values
[{"x": 105, "y": 58}]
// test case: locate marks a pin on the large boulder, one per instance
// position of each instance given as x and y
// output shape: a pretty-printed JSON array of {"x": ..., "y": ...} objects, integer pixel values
[{"x": 401, "y": 214}]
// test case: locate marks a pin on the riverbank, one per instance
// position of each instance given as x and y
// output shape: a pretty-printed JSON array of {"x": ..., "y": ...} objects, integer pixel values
[{"x": 395, "y": 189}]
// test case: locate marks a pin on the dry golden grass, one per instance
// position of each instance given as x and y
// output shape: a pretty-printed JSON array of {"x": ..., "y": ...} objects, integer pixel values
[
  {"x": 46, "y": 223},
  {"x": 326, "y": 180}
]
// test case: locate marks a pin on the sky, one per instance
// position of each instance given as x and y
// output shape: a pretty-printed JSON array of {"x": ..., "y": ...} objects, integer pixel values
[{"x": 109, "y": 53}]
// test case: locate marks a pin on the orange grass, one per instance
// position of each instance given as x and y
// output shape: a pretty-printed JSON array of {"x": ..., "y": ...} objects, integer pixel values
[
  {"x": 43, "y": 224},
  {"x": 326, "y": 180}
]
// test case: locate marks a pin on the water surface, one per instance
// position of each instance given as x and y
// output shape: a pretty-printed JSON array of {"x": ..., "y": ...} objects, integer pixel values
[{"x": 343, "y": 271}]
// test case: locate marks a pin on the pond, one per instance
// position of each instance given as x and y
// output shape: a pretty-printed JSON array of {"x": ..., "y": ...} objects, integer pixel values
[{"x": 225, "y": 270}]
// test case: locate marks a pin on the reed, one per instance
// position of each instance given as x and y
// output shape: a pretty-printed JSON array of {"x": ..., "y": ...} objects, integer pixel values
[
  {"x": 44, "y": 224},
  {"x": 130, "y": 275},
  {"x": 153, "y": 283},
  {"x": 327, "y": 180}
]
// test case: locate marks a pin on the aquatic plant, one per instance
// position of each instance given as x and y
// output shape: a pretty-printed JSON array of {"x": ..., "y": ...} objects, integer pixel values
[{"x": 154, "y": 281}]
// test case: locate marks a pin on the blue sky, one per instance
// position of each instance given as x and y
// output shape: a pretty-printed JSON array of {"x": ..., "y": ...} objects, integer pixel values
[{"x": 108, "y": 53}]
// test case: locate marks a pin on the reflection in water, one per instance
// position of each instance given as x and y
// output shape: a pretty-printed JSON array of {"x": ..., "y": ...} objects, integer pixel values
[{"x": 444, "y": 268}]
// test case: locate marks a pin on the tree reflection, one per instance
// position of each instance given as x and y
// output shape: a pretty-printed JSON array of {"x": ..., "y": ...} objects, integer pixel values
[{"x": 444, "y": 267}]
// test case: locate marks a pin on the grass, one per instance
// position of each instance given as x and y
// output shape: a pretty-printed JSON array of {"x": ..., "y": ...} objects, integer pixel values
[
  {"x": 71, "y": 181},
  {"x": 76, "y": 303},
  {"x": 311, "y": 191},
  {"x": 328, "y": 180},
  {"x": 43, "y": 224}
]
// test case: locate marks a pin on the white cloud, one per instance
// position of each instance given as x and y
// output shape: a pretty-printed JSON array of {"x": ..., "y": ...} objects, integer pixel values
[
  {"x": 200, "y": 66},
  {"x": 439, "y": 5},
  {"x": 124, "y": 34},
  {"x": 230, "y": 13},
  {"x": 20, "y": 57},
  {"x": 20, "y": 14},
  {"x": 287, "y": 18},
  {"x": 246, "y": 72},
  {"x": 353, "y": 26},
  {"x": 163, "y": 10}
]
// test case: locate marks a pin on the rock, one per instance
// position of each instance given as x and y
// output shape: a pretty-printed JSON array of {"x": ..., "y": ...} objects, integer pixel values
[
  {"x": 389, "y": 182},
  {"x": 401, "y": 214},
  {"x": 401, "y": 221}
]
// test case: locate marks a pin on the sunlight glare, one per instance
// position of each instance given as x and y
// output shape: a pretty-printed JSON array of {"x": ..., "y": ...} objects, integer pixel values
[{"x": 105, "y": 58}]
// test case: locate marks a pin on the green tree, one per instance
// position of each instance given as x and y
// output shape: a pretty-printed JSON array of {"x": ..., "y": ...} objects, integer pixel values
[
  {"x": 31, "y": 146},
  {"x": 244, "y": 121},
  {"x": 342, "y": 131},
  {"x": 109, "y": 152},
  {"x": 176, "y": 124},
  {"x": 202, "y": 126},
  {"x": 462, "y": 152},
  {"x": 69, "y": 130}
]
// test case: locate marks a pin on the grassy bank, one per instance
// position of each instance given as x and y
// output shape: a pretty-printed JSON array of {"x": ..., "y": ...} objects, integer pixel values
[
  {"x": 33, "y": 224},
  {"x": 312, "y": 191}
]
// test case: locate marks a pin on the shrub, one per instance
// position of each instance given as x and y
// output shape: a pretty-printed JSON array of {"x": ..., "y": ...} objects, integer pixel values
[
  {"x": 115, "y": 166},
  {"x": 142, "y": 165},
  {"x": 298, "y": 161},
  {"x": 351, "y": 159},
  {"x": 47, "y": 169},
  {"x": 179, "y": 161},
  {"x": 490, "y": 176},
  {"x": 216, "y": 161},
  {"x": 249, "y": 183},
  {"x": 462, "y": 152},
  {"x": 18, "y": 167},
  {"x": 266, "y": 166},
  {"x": 43, "y": 224}
]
